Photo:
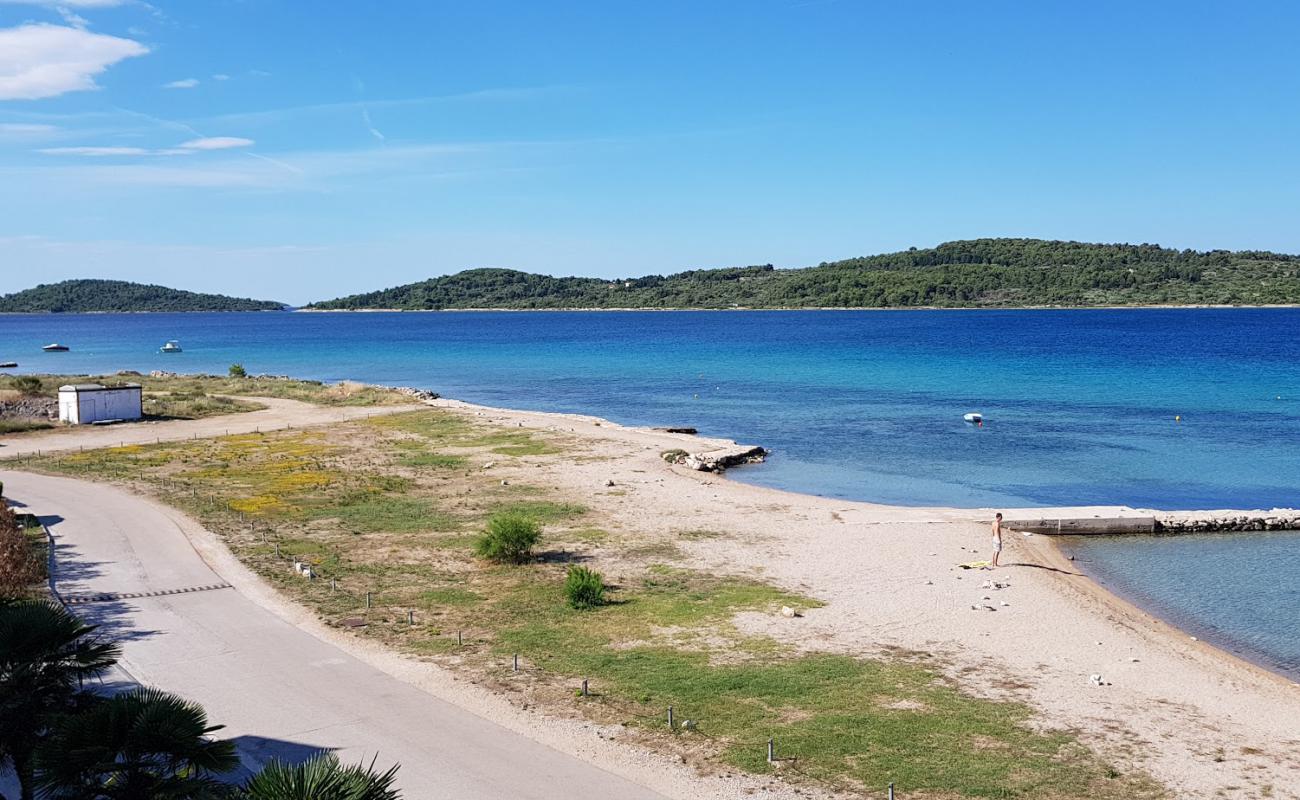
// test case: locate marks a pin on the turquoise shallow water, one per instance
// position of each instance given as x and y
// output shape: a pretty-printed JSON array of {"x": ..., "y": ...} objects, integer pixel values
[
  {"x": 1240, "y": 591},
  {"x": 1080, "y": 409}
]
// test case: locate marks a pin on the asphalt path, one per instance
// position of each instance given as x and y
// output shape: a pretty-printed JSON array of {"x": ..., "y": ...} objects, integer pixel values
[{"x": 126, "y": 563}]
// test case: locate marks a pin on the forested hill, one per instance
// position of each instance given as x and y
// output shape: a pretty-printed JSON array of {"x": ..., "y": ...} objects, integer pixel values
[
  {"x": 81, "y": 296},
  {"x": 977, "y": 273}
]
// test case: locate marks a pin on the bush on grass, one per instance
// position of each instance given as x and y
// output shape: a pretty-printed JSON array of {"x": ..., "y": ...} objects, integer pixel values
[
  {"x": 238, "y": 371},
  {"x": 28, "y": 385},
  {"x": 584, "y": 588},
  {"x": 509, "y": 539}
]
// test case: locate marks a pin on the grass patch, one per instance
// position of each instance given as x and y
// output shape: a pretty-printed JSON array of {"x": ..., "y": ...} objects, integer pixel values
[
  {"x": 194, "y": 405},
  {"x": 541, "y": 510},
  {"x": 23, "y": 425},
  {"x": 369, "y": 513},
  {"x": 432, "y": 460},
  {"x": 449, "y": 597}
]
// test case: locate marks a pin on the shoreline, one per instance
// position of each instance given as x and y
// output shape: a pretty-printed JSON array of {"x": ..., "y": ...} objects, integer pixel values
[
  {"x": 1052, "y": 551},
  {"x": 584, "y": 309}
]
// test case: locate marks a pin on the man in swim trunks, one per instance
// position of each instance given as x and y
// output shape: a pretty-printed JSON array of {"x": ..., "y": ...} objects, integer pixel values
[{"x": 997, "y": 537}]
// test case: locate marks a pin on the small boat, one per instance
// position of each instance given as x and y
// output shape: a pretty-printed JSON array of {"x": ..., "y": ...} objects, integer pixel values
[
  {"x": 55, "y": 348},
  {"x": 9, "y": 365},
  {"x": 974, "y": 418},
  {"x": 172, "y": 346}
]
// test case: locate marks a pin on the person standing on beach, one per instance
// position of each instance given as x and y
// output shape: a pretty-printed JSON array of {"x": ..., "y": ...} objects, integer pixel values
[{"x": 997, "y": 537}]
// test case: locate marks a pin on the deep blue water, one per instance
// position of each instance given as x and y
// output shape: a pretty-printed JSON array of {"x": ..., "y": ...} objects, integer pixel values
[
  {"x": 1079, "y": 405},
  {"x": 1237, "y": 590}
]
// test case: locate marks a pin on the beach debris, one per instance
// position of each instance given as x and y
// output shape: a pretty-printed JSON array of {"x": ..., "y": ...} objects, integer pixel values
[
  {"x": 609, "y": 481},
  {"x": 505, "y": 482},
  {"x": 1005, "y": 604},
  {"x": 689, "y": 725},
  {"x": 789, "y": 613},
  {"x": 1135, "y": 660},
  {"x": 1095, "y": 680},
  {"x": 489, "y": 465},
  {"x": 929, "y": 583}
]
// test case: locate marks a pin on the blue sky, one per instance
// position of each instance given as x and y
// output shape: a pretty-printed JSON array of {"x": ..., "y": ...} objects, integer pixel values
[{"x": 298, "y": 151}]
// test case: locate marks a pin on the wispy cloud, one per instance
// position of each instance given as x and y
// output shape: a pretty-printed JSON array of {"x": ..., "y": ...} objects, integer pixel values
[
  {"x": 370, "y": 126},
  {"x": 42, "y": 60},
  {"x": 65, "y": 3},
  {"x": 217, "y": 143},
  {"x": 220, "y": 76},
  {"x": 95, "y": 151},
  {"x": 184, "y": 83},
  {"x": 27, "y": 128},
  {"x": 187, "y": 148},
  {"x": 486, "y": 95}
]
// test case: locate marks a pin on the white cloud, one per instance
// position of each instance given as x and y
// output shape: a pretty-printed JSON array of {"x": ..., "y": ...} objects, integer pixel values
[
  {"x": 42, "y": 60},
  {"x": 94, "y": 151},
  {"x": 185, "y": 83},
  {"x": 221, "y": 76},
  {"x": 216, "y": 143}
]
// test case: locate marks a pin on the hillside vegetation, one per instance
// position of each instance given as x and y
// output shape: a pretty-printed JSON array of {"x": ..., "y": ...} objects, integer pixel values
[
  {"x": 977, "y": 273},
  {"x": 81, "y": 296}
]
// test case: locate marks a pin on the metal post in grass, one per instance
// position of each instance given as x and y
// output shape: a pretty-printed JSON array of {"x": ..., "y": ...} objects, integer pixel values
[
  {"x": 277, "y": 549},
  {"x": 670, "y": 718},
  {"x": 516, "y": 662},
  {"x": 771, "y": 751},
  {"x": 891, "y": 790},
  {"x": 410, "y": 617},
  {"x": 459, "y": 641},
  {"x": 584, "y": 687},
  {"x": 333, "y": 584},
  {"x": 367, "y": 599}
]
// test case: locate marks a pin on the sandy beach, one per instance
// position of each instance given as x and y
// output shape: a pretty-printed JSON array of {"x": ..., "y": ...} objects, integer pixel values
[{"x": 1202, "y": 721}]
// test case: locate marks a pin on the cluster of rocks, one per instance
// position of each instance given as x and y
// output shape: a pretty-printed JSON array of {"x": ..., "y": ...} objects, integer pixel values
[
  {"x": 1277, "y": 520},
  {"x": 720, "y": 460},
  {"x": 42, "y": 408},
  {"x": 423, "y": 395}
]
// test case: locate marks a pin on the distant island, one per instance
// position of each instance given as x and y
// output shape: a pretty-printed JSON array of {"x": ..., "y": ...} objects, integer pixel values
[
  {"x": 88, "y": 296},
  {"x": 993, "y": 273}
]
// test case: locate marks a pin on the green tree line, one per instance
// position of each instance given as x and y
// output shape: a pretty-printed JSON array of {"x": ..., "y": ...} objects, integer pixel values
[
  {"x": 86, "y": 296},
  {"x": 978, "y": 273}
]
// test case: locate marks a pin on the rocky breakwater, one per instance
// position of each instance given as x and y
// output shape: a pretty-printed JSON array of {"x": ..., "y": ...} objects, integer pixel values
[
  {"x": 1278, "y": 519},
  {"x": 718, "y": 459}
]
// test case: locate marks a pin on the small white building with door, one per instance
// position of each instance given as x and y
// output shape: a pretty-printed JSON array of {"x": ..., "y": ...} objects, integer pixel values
[{"x": 84, "y": 403}]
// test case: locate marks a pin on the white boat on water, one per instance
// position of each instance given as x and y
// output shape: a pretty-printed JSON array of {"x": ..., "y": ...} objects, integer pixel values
[
  {"x": 172, "y": 346},
  {"x": 55, "y": 348},
  {"x": 974, "y": 417}
]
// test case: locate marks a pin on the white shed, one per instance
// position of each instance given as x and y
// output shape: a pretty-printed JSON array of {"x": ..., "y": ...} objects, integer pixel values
[{"x": 84, "y": 403}]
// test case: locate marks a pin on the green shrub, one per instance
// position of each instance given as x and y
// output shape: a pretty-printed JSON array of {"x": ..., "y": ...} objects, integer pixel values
[
  {"x": 509, "y": 538},
  {"x": 674, "y": 456},
  {"x": 28, "y": 385},
  {"x": 584, "y": 588},
  {"x": 238, "y": 371}
]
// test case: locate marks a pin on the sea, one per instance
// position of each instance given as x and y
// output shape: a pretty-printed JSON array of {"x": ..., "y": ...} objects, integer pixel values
[{"x": 1164, "y": 408}]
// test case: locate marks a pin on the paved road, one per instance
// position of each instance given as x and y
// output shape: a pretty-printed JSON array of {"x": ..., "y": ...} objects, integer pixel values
[
  {"x": 279, "y": 413},
  {"x": 279, "y": 690}
]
